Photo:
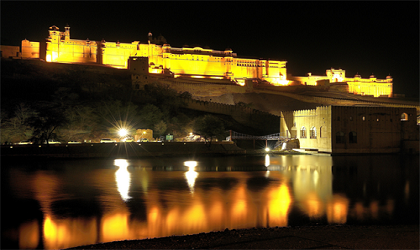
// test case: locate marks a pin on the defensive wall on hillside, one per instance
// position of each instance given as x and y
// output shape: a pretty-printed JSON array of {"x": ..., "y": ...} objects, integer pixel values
[
  {"x": 242, "y": 114},
  {"x": 204, "y": 89}
]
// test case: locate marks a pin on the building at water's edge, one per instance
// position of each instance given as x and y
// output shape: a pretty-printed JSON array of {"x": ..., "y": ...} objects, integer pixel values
[{"x": 346, "y": 129}]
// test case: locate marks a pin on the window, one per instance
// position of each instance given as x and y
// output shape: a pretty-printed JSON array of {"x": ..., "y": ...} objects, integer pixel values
[
  {"x": 352, "y": 137},
  {"x": 363, "y": 118},
  {"x": 338, "y": 118},
  {"x": 303, "y": 132},
  {"x": 351, "y": 118},
  {"x": 339, "y": 137},
  {"x": 404, "y": 117},
  {"x": 313, "y": 133}
]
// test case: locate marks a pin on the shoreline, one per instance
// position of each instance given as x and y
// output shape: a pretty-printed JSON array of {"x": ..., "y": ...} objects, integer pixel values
[{"x": 298, "y": 237}]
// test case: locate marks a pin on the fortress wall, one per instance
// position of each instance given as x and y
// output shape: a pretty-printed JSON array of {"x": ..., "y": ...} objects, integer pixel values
[
  {"x": 242, "y": 114},
  {"x": 204, "y": 89}
]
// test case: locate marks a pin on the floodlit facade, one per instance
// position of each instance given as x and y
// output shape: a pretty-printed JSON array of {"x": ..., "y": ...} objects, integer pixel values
[
  {"x": 346, "y": 129},
  {"x": 164, "y": 59},
  {"x": 186, "y": 62},
  {"x": 356, "y": 85}
]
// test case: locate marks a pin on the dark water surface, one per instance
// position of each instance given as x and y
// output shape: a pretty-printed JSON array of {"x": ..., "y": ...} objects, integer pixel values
[{"x": 56, "y": 204}]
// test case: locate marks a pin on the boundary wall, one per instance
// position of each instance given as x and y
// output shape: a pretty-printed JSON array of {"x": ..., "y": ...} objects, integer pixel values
[{"x": 241, "y": 114}]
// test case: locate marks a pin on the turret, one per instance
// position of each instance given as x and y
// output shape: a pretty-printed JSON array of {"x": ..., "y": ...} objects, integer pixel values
[
  {"x": 67, "y": 33},
  {"x": 54, "y": 34},
  {"x": 149, "y": 37},
  {"x": 372, "y": 78}
]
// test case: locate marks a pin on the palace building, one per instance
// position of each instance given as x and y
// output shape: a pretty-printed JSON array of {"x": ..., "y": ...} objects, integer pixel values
[
  {"x": 163, "y": 59},
  {"x": 355, "y": 85},
  {"x": 187, "y": 62}
]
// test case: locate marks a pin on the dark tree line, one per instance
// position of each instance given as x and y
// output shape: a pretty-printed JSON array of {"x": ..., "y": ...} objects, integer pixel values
[{"x": 69, "y": 114}]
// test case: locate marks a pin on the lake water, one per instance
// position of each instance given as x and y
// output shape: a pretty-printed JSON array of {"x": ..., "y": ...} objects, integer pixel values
[{"x": 55, "y": 204}]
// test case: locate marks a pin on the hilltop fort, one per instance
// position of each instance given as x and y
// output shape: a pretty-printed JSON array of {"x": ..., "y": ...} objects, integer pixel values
[{"x": 158, "y": 58}]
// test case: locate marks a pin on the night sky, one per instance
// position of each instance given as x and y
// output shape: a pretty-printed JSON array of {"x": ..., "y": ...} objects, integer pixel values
[{"x": 374, "y": 37}]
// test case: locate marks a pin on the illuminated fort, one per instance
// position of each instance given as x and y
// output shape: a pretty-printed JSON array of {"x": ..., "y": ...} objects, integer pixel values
[{"x": 194, "y": 62}]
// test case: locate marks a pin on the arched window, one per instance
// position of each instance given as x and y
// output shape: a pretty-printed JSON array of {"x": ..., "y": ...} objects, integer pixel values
[
  {"x": 352, "y": 137},
  {"x": 339, "y": 137},
  {"x": 303, "y": 132},
  {"x": 313, "y": 133},
  {"x": 137, "y": 86},
  {"x": 404, "y": 117}
]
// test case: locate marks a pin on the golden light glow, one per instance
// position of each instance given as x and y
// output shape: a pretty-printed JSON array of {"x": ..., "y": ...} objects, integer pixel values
[
  {"x": 115, "y": 226},
  {"x": 29, "y": 235},
  {"x": 278, "y": 206},
  {"x": 314, "y": 206},
  {"x": 337, "y": 209},
  {"x": 279, "y": 82},
  {"x": 197, "y": 62}
]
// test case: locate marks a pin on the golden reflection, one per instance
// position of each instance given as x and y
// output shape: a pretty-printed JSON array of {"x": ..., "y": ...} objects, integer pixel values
[
  {"x": 337, "y": 209},
  {"x": 115, "y": 226},
  {"x": 29, "y": 235},
  {"x": 374, "y": 208},
  {"x": 359, "y": 210},
  {"x": 66, "y": 233},
  {"x": 314, "y": 205},
  {"x": 122, "y": 177},
  {"x": 407, "y": 191},
  {"x": 231, "y": 205},
  {"x": 239, "y": 209},
  {"x": 278, "y": 206}
]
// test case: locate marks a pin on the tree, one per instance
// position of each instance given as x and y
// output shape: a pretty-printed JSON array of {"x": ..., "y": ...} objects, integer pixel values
[
  {"x": 81, "y": 120},
  {"x": 49, "y": 119},
  {"x": 160, "y": 128},
  {"x": 150, "y": 115},
  {"x": 16, "y": 128},
  {"x": 209, "y": 126}
]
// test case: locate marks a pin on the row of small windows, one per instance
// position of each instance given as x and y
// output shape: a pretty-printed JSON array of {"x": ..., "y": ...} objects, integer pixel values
[{"x": 404, "y": 117}]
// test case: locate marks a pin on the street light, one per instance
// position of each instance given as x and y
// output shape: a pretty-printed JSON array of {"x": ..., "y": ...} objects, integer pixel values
[{"x": 122, "y": 132}]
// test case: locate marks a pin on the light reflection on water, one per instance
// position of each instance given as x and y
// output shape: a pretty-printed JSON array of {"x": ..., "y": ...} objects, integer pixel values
[{"x": 87, "y": 202}]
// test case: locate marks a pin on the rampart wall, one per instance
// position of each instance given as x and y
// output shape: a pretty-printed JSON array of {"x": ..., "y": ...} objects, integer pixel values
[
  {"x": 245, "y": 115},
  {"x": 203, "y": 89}
]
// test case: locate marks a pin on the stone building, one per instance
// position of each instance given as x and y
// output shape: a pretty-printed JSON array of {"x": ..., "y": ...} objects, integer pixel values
[
  {"x": 188, "y": 62},
  {"x": 355, "y": 85},
  {"x": 348, "y": 129}
]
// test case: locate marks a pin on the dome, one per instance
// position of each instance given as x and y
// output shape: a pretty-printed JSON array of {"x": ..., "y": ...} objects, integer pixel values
[
  {"x": 372, "y": 76},
  {"x": 388, "y": 77}
]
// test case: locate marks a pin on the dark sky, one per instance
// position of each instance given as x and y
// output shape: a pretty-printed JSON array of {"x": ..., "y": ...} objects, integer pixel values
[{"x": 374, "y": 37}]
